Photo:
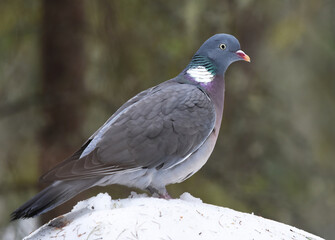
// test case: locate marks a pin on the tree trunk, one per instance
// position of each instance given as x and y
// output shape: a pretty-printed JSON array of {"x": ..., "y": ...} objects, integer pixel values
[{"x": 63, "y": 62}]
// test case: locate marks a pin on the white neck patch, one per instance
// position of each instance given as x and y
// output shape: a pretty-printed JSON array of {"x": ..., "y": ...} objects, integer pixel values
[{"x": 200, "y": 74}]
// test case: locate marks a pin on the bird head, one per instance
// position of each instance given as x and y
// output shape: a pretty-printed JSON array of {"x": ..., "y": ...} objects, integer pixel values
[{"x": 221, "y": 50}]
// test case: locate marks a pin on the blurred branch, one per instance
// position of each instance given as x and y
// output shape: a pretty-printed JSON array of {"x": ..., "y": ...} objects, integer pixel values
[{"x": 11, "y": 108}]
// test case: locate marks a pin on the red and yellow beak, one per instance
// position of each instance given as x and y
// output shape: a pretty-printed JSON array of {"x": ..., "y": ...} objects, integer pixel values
[{"x": 242, "y": 55}]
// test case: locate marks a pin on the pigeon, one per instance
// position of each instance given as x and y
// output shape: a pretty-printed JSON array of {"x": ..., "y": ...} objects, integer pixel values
[{"x": 161, "y": 136}]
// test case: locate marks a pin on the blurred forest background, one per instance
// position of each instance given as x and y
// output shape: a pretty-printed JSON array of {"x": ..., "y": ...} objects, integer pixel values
[{"x": 66, "y": 66}]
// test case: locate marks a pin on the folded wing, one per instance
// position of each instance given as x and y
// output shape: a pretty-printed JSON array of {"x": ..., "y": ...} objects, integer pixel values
[{"x": 158, "y": 128}]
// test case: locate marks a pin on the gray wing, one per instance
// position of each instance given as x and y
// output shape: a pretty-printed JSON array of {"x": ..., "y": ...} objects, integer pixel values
[
  {"x": 50, "y": 175},
  {"x": 159, "y": 130}
]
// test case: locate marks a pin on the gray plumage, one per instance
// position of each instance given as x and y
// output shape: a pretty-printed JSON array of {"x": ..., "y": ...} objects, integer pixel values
[{"x": 161, "y": 136}]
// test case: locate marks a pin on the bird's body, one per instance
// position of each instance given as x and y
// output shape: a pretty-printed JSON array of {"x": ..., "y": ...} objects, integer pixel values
[{"x": 161, "y": 136}]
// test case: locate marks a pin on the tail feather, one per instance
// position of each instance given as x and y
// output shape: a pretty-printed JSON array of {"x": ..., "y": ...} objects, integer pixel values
[{"x": 51, "y": 197}]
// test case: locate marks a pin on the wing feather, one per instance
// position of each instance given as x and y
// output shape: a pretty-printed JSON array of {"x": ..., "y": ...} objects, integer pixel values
[{"x": 158, "y": 129}]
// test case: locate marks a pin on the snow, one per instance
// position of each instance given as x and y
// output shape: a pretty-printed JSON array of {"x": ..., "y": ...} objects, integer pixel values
[
  {"x": 18, "y": 229},
  {"x": 143, "y": 217},
  {"x": 189, "y": 198},
  {"x": 98, "y": 203}
]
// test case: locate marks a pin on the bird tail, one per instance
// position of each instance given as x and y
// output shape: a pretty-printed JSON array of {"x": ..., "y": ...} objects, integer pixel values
[{"x": 51, "y": 197}]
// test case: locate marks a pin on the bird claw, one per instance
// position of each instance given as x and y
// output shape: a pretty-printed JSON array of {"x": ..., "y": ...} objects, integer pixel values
[
  {"x": 160, "y": 194},
  {"x": 165, "y": 196}
]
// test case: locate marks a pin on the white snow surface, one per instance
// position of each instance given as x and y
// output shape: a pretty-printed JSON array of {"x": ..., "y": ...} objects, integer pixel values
[{"x": 143, "y": 217}]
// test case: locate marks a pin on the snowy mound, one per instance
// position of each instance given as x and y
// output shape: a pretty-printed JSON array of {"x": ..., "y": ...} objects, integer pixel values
[{"x": 142, "y": 217}]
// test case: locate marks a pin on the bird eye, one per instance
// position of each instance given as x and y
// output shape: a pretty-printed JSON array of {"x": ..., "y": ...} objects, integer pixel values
[{"x": 222, "y": 46}]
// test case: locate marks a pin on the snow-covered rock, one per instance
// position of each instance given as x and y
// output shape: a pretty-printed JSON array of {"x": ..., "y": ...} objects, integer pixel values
[{"x": 143, "y": 217}]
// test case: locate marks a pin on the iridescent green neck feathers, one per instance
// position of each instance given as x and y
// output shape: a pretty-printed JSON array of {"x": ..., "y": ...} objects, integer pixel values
[{"x": 201, "y": 69}]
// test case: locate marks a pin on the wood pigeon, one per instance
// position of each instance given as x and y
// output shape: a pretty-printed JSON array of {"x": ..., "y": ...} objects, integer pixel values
[{"x": 161, "y": 136}]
